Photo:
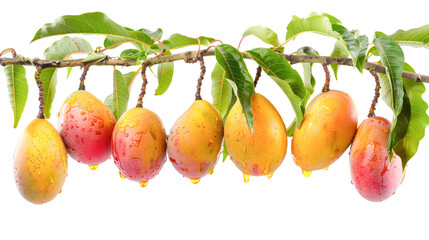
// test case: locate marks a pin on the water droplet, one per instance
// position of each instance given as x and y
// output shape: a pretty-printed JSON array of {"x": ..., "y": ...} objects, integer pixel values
[
  {"x": 126, "y": 135},
  {"x": 326, "y": 168},
  {"x": 246, "y": 177},
  {"x": 143, "y": 183},
  {"x": 93, "y": 167},
  {"x": 71, "y": 116},
  {"x": 61, "y": 190},
  {"x": 51, "y": 180},
  {"x": 58, "y": 114},
  {"x": 242, "y": 134},
  {"x": 185, "y": 170},
  {"x": 211, "y": 171},
  {"x": 82, "y": 113},
  {"x": 270, "y": 175},
  {"x": 122, "y": 129},
  {"x": 306, "y": 173},
  {"x": 194, "y": 180},
  {"x": 121, "y": 175},
  {"x": 38, "y": 173}
]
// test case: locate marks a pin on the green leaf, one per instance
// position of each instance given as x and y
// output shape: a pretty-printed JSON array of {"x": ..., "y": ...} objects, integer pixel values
[
  {"x": 221, "y": 91},
  {"x": 309, "y": 80},
  {"x": 392, "y": 58},
  {"x": 176, "y": 41},
  {"x": 232, "y": 62},
  {"x": 416, "y": 37},
  {"x": 91, "y": 23},
  {"x": 339, "y": 51},
  {"x": 363, "y": 42},
  {"x": 348, "y": 39},
  {"x": 117, "y": 102},
  {"x": 418, "y": 118},
  {"x": 314, "y": 23},
  {"x": 265, "y": 34},
  {"x": 94, "y": 56},
  {"x": 17, "y": 87},
  {"x": 165, "y": 76},
  {"x": 287, "y": 78},
  {"x": 59, "y": 50}
]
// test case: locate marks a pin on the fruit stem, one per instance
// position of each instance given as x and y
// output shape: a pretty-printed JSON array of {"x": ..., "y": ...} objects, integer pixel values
[
  {"x": 82, "y": 77},
  {"x": 41, "y": 113},
  {"x": 143, "y": 89},
  {"x": 258, "y": 75},
  {"x": 376, "y": 95},
  {"x": 327, "y": 77},
  {"x": 200, "y": 79}
]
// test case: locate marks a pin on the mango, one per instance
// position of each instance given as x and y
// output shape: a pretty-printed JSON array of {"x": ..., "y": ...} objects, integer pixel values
[
  {"x": 85, "y": 125},
  {"x": 328, "y": 127},
  {"x": 260, "y": 152},
  {"x": 374, "y": 176},
  {"x": 139, "y": 145},
  {"x": 40, "y": 162},
  {"x": 195, "y": 140}
]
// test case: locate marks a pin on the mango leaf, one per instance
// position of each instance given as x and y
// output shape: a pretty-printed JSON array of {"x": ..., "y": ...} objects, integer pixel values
[
  {"x": 309, "y": 80},
  {"x": 176, "y": 41},
  {"x": 59, "y": 50},
  {"x": 328, "y": 25},
  {"x": 232, "y": 62},
  {"x": 287, "y": 78},
  {"x": 117, "y": 102},
  {"x": 315, "y": 23},
  {"x": 165, "y": 76},
  {"x": 392, "y": 57},
  {"x": 339, "y": 51},
  {"x": 415, "y": 108},
  {"x": 363, "y": 42},
  {"x": 416, "y": 37},
  {"x": 91, "y": 23},
  {"x": 17, "y": 87},
  {"x": 94, "y": 56},
  {"x": 221, "y": 91},
  {"x": 265, "y": 34}
]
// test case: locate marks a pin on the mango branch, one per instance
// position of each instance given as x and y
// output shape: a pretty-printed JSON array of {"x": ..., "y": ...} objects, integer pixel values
[{"x": 188, "y": 55}]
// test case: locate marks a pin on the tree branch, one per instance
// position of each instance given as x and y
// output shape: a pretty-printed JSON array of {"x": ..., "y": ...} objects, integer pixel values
[{"x": 211, "y": 52}]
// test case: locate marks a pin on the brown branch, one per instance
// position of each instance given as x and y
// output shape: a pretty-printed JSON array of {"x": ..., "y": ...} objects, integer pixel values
[{"x": 211, "y": 52}]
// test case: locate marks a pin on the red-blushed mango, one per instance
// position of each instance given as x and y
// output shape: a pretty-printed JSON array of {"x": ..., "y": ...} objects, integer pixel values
[
  {"x": 260, "y": 152},
  {"x": 374, "y": 176},
  {"x": 195, "y": 140},
  {"x": 328, "y": 127},
  {"x": 85, "y": 125},
  {"x": 139, "y": 145},
  {"x": 40, "y": 162}
]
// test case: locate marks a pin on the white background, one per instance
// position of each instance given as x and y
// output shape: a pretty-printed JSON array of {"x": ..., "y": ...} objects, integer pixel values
[{"x": 99, "y": 204}]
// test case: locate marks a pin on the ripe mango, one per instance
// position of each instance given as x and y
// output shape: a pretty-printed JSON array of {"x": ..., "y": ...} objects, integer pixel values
[
  {"x": 139, "y": 145},
  {"x": 328, "y": 127},
  {"x": 195, "y": 140},
  {"x": 40, "y": 162},
  {"x": 260, "y": 152},
  {"x": 374, "y": 176},
  {"x": 85, "y": 125}
]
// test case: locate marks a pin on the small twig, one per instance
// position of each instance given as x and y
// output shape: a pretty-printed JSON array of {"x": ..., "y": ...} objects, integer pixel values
[
  {"x": 376, "y": 95},
  {"x": 41, "y": 113},
  {"x": 83, "y": 76},
  {"x": 258, "y": 75},
  {"x": 143, "y": 89},
  {"x": 200, "y": 79},
  {"x": 327, "y": 76}
]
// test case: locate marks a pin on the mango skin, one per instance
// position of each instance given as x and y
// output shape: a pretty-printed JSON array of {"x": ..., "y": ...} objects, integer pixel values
[
  {"x": 262, "y": 152},
  {"x": 375, "y": 178},
  {"x": 40, "y": 162},
  {"x": 328, "y": 127},
  {"x": 195, "y": 140},
  {"x": 85, "y": 125},
  {"x": 139, "y": 144}
]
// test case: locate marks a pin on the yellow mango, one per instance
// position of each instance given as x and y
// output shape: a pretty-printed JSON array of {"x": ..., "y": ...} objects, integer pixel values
[
  {"x": 328, "y": 127},
  {"x": 40, "y": 162},
  {"x": 195, "y": 140},
  {"x": 260, "y": 152}
]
